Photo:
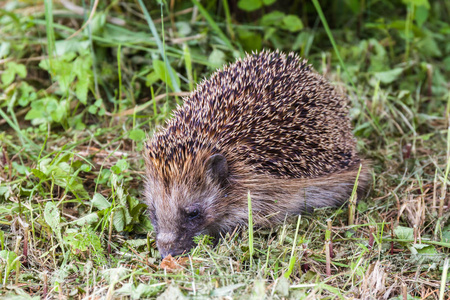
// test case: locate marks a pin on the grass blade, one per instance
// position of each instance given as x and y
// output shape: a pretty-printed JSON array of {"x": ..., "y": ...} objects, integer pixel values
[
  {"x": 160, "y": 45},
  {"x": 443, "y": 279},
  {"x": 294, "y": 244},
  {"x": 330, "y": 36},
  {"x": 250, "y": 228},
  {"x": 213, "y": 24}
]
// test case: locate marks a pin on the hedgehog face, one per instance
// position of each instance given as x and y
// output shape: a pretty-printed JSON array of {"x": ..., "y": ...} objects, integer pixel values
[{"x": 182, "y": 210}]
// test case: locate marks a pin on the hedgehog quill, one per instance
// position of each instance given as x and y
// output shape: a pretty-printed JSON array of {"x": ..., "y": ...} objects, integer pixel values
[{"x": 268, "y": 124}]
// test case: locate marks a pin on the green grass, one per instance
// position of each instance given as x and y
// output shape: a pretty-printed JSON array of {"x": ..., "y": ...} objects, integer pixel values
[{"x": 74, "y": 113}]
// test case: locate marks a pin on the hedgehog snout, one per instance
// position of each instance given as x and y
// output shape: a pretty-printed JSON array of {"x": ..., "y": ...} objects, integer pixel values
[
  {"x": 165, "y": 242},
  {"x": 170, "y": 243}
]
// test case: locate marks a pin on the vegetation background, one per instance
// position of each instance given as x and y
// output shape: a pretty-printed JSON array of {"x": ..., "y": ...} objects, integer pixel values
[{"x": 82, "y": 82}]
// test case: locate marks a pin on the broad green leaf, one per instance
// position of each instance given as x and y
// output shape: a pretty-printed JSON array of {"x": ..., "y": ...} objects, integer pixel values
[
  {"x": 51, "y": 216},
  {"x": 151, "y": 78},
  {"x": 446, "y": 234},
  {"x": 82, "y": 240},
  {"x": 173, "y": 292},
  {"x": 8, "y": 76},
  {"x": 404, "y": 233},
  {"x": 119, "y": 219},
  {"x": 4, "y": 49},
  {"x": 354, "y": 5},
  {"x": 389, "y": 76},
  {"x": 421, "y": 15},
  {"x": 250, "y": 40},
  {"x": 137, "y": 135},
  {"x": 21, "y": 169},
  {"x": 226, "y": 290},
  {"x": 87, "y": 220},
  {"x": 160, "y": 68},
  {"x": 100, "y": 202},
  {"x": 141, "y": 291},
  {"x": 250, "y": 5},
  {"x": 425, "y": 249},
  {"x": 13, "y": 69},
  {"x": 27, "y": 94},
  {"x": 429, "y": 46},
  {"x": 11, "y": 260},
  {"x": 417, "y": 3},
  {"x": 292, "y": 23},
  {"x": 120, "y": 166},
  {"x": 273, "y": 18},
  {"x": 82, "y": 88},
  {"x": 73, "y": 45},
  {"x": 217, "y": 58}
]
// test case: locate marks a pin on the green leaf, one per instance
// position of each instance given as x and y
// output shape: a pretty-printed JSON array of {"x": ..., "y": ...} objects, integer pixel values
[
  {"x": 85, "y": 167},
  {"x": 100, "y": 202},
  {"x": 354, "y": 5},
  {"x": 137, "y": 135},
  {"x": 417, "y": 3},
  {"x": 87, "y": 220},
  {"x": 250, "y": 40},
  {"x": 20, "y": 70},
  {"x": 160, "y": 69},
  {"x": 151, "y": 78},
  {"x": 21, "y": 169},
  {"x": 226, "y": 290},
  {"x": 13, "y": 69},
  {"x": 8, "y": 76},
  {"x": 292, "y": 23},
  {"x": 404, "y": 233},
  {"x": 141, "y": 291},
  {"x": 58, "y": 112},
  {"x": 446, "y": 234},
  {"x": 84, "y": 240},
  {"x": 92, "y": 109},
  {"x": 389, "y": 76},
  {"x": 272, "y": 18},
  {"x": 217, "y": 58},
  {"x": 11, "y": 260},
  {"x": 421, "y": 15},
  {"x": 429, "y": 46},
  {"x": 51, "y": 216},
  {"x": 4, "y": 49},
  {"x": 268, "y": 2},
  {"x": 27, "y": 94},
  {"x": 425, "y": 249},
  {"x": 120, "y": 166},
  {"x": 82, "y": 87},
  {"x": 250, "y": 5},
  {"x": 119, "y": 219}
]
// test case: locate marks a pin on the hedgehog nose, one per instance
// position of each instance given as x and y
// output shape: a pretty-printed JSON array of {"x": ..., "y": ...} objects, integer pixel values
[
  {"x": 165, "y": 242},
  {"x": 170, "y": 251}
]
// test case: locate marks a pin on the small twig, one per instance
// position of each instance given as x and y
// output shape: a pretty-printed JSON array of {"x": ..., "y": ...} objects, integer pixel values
[
  {"x": 328, "y": 237},
  {"x": 147, "y": 104},
  {"x": 110, "y": 233},
  {"x": 392, "y": 237},
  {"x": 81, "y": 11},
  {"x": 371, "y": 237},
  {"x": 94, "y": 8},
  {"x": 45, "y": 289},
  {"x": 328, "y": 258}
]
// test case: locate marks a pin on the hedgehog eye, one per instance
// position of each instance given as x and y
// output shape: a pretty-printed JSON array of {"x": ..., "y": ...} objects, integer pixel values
[{"x": 193, "y": 214}]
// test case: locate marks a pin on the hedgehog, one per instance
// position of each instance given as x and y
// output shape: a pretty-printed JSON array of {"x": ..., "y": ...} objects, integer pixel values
[{"x": 268, "y": 126}]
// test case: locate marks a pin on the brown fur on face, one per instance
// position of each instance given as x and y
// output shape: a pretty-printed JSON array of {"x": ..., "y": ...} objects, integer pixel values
[{"x": 267, "y": 124}]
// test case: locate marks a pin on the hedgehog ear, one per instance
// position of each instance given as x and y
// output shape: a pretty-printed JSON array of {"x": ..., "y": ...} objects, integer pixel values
[{"x": 217, "y": 168}]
